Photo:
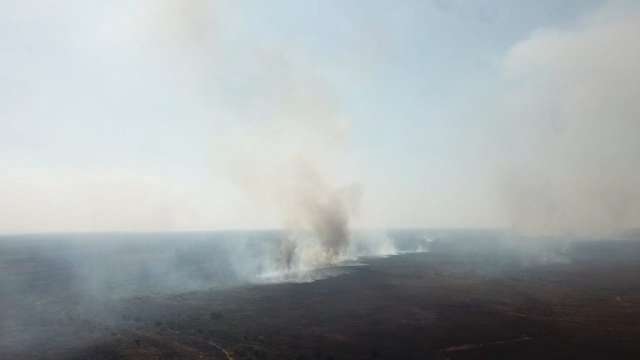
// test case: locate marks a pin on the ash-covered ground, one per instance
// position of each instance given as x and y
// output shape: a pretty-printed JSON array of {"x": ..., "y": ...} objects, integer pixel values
[{"x": 443, "y": 295}]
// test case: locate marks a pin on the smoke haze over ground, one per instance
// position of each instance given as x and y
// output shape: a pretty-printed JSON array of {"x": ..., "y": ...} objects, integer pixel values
[{"x": 50, "y": 281}]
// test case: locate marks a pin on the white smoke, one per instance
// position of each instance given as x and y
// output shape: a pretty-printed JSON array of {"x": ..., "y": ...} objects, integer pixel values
[{"x": 574, "y": 155}]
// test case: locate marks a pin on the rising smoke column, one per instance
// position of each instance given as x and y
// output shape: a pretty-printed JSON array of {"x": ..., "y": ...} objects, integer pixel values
[
  {"x": 289, "y": 155},
  {"x": 321, "y": 212},
  {"x": 315, "y": 212}
]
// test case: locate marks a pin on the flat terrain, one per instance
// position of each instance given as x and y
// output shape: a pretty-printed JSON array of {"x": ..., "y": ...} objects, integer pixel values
[{"x": 458, "y": 301}]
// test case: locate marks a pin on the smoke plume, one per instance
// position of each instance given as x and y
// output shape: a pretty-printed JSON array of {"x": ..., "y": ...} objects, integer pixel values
[
  {"x": 574, "y": 156},
  {"x": 290, "y": 159}
]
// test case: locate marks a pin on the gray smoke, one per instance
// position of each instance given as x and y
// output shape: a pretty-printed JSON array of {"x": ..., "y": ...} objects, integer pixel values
[
  {"x": 289, "y": 159},
  {"x": 322, "y": 213},
  {"x": 315, "y": 212}
]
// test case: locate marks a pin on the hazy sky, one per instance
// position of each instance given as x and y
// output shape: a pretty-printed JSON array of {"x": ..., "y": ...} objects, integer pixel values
[{"x": 138, "y": 115}]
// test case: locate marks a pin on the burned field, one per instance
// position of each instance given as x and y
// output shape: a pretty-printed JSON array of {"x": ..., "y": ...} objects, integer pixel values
[{"x": 464, "y": 299}]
